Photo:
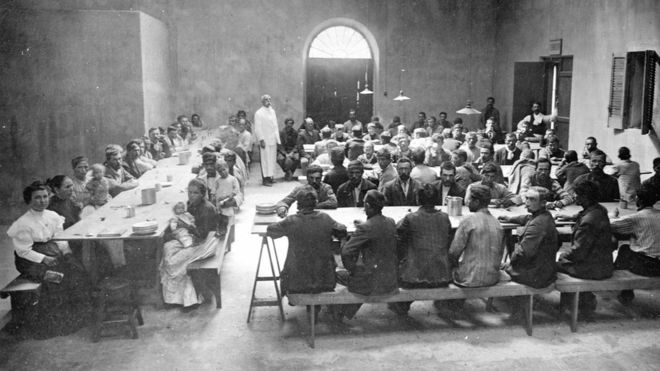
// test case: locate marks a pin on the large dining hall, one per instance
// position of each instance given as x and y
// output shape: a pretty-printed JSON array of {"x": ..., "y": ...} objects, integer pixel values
[{"x": 329, "y": 184}]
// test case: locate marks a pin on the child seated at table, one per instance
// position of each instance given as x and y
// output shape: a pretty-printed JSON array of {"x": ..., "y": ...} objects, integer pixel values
[
  {"x": 182, "y": 225},
  {"x": 98, "y": 188}
]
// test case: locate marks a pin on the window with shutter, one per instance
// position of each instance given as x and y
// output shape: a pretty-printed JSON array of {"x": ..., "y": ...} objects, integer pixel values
[
  {"x": 651, "y": 58},
  {"x": 615, "y": 117}
]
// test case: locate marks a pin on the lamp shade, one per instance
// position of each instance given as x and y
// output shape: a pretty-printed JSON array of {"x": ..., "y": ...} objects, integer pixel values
[
  {"x": 401, "y": 97},
  {"x": 468, "y": 110},
  {"x": 366, "y": 90}
]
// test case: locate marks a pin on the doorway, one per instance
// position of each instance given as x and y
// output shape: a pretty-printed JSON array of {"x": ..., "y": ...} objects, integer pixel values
[{"x": 339, "y": 67}]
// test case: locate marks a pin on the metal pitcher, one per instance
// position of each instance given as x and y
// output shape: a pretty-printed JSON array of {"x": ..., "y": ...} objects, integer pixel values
[
  {"x": 454, "y": 206},
  {"x": 148, "y": 196}
]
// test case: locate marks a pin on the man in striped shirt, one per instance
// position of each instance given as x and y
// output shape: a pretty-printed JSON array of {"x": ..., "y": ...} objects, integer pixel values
[{"x": 642, "y": 255}]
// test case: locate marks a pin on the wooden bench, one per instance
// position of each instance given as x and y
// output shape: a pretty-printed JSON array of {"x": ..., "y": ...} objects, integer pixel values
[
  {"x": 207, "y": 271},
  {"x": 17, "y": 290},
  {"x": 620, "y": 280},
  {"x": 341, "y": 295}
]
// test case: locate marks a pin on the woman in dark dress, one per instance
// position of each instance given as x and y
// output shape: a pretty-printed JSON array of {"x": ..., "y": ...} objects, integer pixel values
[
  {"x": 61, "y": 201},
  {"x": 62, "y": 304}
]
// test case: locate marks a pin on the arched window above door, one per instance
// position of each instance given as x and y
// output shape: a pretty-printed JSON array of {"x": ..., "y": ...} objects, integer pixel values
[{"x": 340, "y": 42}]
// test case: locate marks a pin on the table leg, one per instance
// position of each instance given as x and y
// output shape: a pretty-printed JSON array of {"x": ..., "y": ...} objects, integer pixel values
[
  {"x": 574, "y": 311},
  {"x": 275, "y": 278},
  {"x": 264, "y": 241},
  {"x": 89, "y": 260},
  {"x": 312, "y": 323},
  {"x": 529, "y": 315}
]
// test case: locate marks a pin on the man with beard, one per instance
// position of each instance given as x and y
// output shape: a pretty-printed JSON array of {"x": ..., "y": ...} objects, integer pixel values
[
  {"x": 608, "y": 187},
  {"x": 352, "y": 192},
  {"x": 557, "y": 197},
  {"x": 267, "y": 135},
  {"x": 326, "y": 197},
  {"x": 447, "y": 186},
  {"x": 403, "y": 190}
]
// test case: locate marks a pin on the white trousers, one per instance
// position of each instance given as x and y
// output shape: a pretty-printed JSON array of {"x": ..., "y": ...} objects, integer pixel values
[{"x": 268, "y": 160}]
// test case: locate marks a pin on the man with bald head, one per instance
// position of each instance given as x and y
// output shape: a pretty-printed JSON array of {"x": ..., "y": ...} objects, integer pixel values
[{"x": 266, "y": 133}]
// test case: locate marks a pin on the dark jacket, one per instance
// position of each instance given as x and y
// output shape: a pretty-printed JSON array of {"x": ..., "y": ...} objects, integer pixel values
[
  {"x": 423, "y": 247},
  {"x": 394, "y": 193},
  {"x": 310, "y": 265},
  {"x": 590, "y": 254},
  {"x": 500, "y": 156},
  {"x": 337, "y": 176},
  {"x": 567, "y": 173},
  {"x": 533, "y": 259},
  {"x": 608, "y": 187},
  {"x": 455, "y": 191},
  {"x": 160, "y": 150},
  {"x": 354, "y": 148},
  {"x": 370, "y": 257},
  {"x": 345, "y": 195}
]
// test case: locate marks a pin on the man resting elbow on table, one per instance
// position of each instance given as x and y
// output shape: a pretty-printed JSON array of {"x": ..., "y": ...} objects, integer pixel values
[
  {"x": 500, "y": 196},
  {"x": 326, "y": 198}
]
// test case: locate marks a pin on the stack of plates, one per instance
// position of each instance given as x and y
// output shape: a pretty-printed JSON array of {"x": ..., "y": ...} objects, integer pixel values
[
  {"x": 266, "y": 209},
  {"x": 145, "y": 227}
]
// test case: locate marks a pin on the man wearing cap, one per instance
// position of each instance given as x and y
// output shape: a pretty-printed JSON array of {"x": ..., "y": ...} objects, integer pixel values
[
  {"x": 478, "y": 245},
  {"x": 653, "y": 183},
  {"x": 402, "y": 191},
  {"x": 120, "y": 179},
  {"x": 287, "y": 152},
  {"x": 499, "y": 193},
  {"x": 326, "y": 197},
  {"x": 370, "y": 257},
  {"x": 352, "y": 192},
  {"x": 309, "y": 266},
  {"x": 266, "y": 133}
]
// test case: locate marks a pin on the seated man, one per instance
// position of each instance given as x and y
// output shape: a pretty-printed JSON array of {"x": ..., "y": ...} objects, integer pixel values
[
  {"x": 608, "y": 187},
  {"x": 120, "y": 179},
  {"x": 653, "y": 183},
  {"x": 558, "y": 197},
  {"x": 368, "y": 158},
  {"x": 537, "y": 122},
  {"x": 510, "y": 153},
  {"x": 435, "y": 154},
  {"x": 499, "y": 194},
  {"x": 533, "y": 258},
  {"x": 552, "y": 151},
  {"x": 306, "y": 135},
  {"x": 478, "y": 245},
  {"x": 421, "y": 172},
  {"x": 355, "y": 145},
  {"x": 174, "y": 140},
  {"x": 486, "y": 157},
  {"x": 591, "y": 145},
  {"x": 447, "y": 186},
  {"x": 320, "y": 146},
  {"x": 352, "y": 192},
  {"x": 423, "y": 247},
  {"x": 403, "y": 190},
  {"x": 466, "y": 174},
  {"x": 324, "y": 158},
  {"x": 570, "y": 169},
  {"x": 470, "y": 147},
  {"x": 590, "y": 253},
  {"x": 627, "y": 175},
  {"x": 338, "y": 175},
  {"x": 404, "y": 148},
  {"x": 287, "y": 151},
  {"x": 642, "y": 255},
  {"x": 326, "y": 198},
  {"x": 386, "y": 171},
  {"x": 340, "y": 134},
  {"x": 371, "y": 135},
  {"x": 369, "y": 257},
  {"x": 309, "y": 267}
]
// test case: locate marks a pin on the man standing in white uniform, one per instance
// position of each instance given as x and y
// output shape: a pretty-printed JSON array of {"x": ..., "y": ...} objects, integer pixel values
[{"x": 267, "y": 134}]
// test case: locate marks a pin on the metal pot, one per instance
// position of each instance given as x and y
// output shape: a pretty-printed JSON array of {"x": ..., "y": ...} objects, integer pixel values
[
  {"x": 454, "y": 206},
  {"x": 148, "y": 196}
]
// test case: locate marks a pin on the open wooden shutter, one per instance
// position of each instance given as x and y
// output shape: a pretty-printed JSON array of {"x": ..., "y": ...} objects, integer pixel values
[
  {"x": 650, "y": 60},
  {"x": 617, "y": 88}
]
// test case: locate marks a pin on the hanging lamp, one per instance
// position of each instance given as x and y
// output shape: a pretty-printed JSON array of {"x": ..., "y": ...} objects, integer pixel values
[
  {"x": 401, "y": 97},
  {"x": 468, "y": 110}
]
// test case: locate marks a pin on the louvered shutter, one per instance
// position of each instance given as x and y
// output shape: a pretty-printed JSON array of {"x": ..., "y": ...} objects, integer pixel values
[
  {"x": 617, "y": 86},
  {"x": 650, "y": 60}
]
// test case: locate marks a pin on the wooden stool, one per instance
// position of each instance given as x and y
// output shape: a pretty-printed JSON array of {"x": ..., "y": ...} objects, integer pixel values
[{"x": 116, "y": 302}]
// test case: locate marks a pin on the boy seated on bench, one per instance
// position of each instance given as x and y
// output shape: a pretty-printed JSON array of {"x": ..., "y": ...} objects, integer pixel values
[
  {"x": 642, "y": 255},
  {"x": 309, "y": 267},
  {"x": 590, "y": 253},
  {"x": 478, "y": 245},
  {"x": 369, "y": 257}
]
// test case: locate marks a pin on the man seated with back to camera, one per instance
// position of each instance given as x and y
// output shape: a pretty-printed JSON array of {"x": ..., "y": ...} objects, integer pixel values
[
  {"x": 642, "y": 255},
  {"x": 421, "y": 172},
  {"x": 352, "y": 192},
  {"x": 309, "y": 267},
  {"x": 557, "y": 197},
  {"x": 326, "y": 198},
  {"x": 369, "y": 256},
  {"x": 338, "y": 175},
  {"x": 423, "y": 247},
  {"x": 500, "y": 196}
]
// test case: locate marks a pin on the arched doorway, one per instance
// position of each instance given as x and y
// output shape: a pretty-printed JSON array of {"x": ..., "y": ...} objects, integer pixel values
[{"x": 340, "y": 62}]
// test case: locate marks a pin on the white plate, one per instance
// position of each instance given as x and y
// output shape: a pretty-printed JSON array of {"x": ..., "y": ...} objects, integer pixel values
[
  {"x": 144, "y": 225},
  {"x": 143, "y": 233}
]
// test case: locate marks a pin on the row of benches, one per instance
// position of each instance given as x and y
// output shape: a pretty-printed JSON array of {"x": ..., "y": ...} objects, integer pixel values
[{"x": 621, "y": 280}]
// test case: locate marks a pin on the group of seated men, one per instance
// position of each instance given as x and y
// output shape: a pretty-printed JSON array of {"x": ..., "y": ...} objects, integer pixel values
[{"x": 422, "y": 251}]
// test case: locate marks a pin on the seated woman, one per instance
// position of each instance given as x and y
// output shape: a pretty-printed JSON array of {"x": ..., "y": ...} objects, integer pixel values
[
  {"x": 63, "y": 303},
  {"x": 178, "y": 287},
  {"x": 61, "y": 201},
  {"x": 132, "y": 163}
]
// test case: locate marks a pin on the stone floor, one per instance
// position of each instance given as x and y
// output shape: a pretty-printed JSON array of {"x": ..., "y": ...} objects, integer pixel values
[{"x": 211, "y": 339}]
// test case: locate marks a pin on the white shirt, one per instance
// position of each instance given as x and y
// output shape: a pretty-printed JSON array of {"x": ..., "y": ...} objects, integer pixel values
[{"x": 36, "y": 226}]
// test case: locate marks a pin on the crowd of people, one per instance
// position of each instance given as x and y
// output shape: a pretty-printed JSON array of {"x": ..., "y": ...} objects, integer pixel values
[
  {"x": 214, "y": 195},
  {"x": 429, "y": 161}
]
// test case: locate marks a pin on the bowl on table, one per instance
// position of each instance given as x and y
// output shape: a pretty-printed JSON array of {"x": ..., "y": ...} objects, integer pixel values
[{"x": 266, "y": 208}]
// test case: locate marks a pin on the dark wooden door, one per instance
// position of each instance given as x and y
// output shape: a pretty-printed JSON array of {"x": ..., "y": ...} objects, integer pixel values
[
  {"x": 332, "y": 89},
  {"x": 529, "y": 85}
]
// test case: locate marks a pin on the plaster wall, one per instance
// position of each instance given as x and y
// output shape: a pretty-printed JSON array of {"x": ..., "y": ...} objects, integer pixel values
[
  {"x": 229, "y": 53},
  {"x": 591, "y": 31},
  {"x": 156, "y": 77}
]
